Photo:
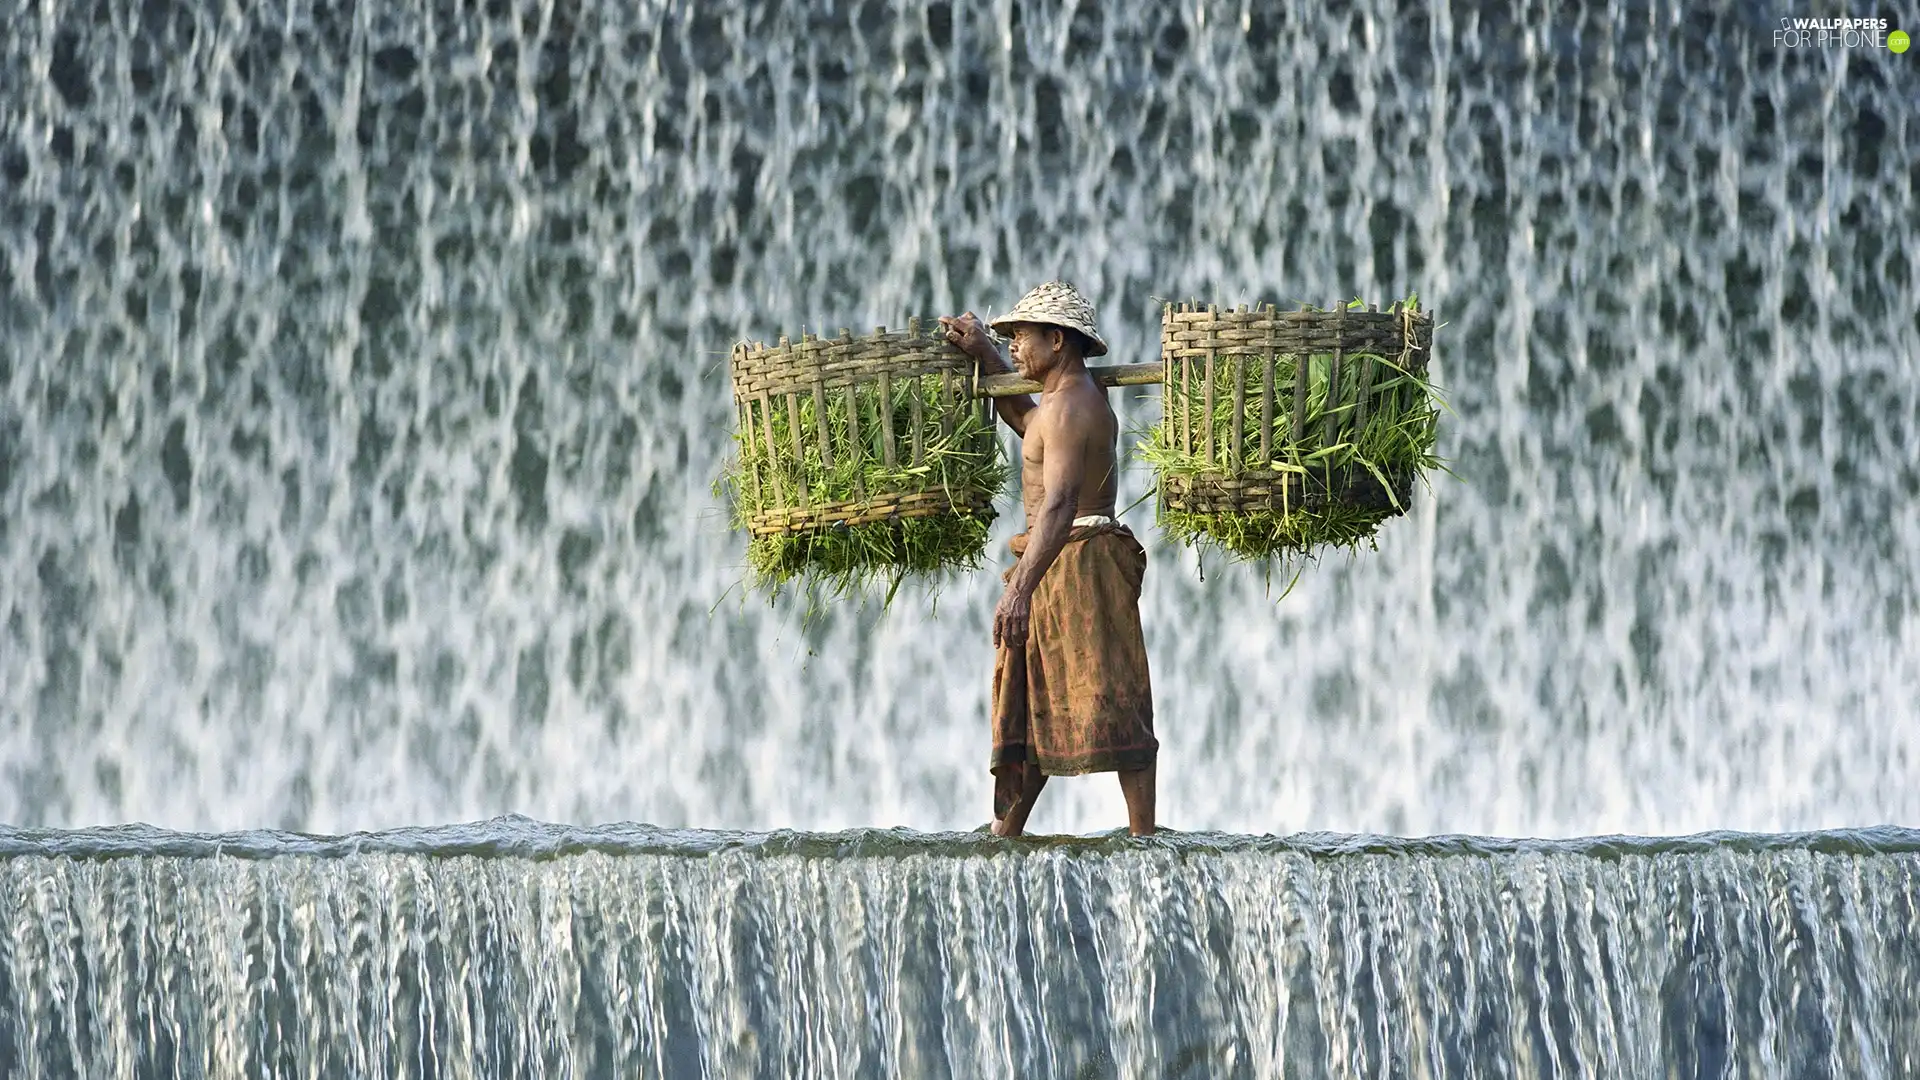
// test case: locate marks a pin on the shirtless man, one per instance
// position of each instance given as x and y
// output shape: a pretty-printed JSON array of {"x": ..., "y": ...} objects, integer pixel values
[{"x": 1071, "y": 689}]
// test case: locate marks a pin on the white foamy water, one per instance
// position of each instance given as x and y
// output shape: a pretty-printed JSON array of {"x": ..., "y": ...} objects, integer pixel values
[{"x": 362, "y": 384}]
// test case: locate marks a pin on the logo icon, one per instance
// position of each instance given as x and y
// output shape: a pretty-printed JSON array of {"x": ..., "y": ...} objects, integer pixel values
[{"x": 1897, "y": 41}]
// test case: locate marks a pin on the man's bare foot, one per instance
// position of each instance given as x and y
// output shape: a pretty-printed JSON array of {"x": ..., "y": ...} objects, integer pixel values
[
  {"x": 1015, "y": 823},
  {"x": 1137, "y": 788}
]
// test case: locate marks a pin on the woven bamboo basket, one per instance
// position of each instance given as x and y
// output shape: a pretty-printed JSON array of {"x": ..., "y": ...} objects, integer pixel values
[
  {"x": 783, "y": 392},
  {"x": 1297, "y": 389}
]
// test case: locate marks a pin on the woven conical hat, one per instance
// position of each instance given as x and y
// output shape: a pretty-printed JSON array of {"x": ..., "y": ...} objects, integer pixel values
[{"x": 1055, "y": 304}]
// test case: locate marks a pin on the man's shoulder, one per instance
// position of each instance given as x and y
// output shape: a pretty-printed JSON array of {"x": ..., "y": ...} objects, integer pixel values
[
  {"x": 1084, "y": 405},
  {"x": 1077, "y": 406}
]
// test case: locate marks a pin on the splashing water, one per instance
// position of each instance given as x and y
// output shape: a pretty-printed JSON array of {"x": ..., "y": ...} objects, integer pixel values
[{"x": 362, "y": 384}]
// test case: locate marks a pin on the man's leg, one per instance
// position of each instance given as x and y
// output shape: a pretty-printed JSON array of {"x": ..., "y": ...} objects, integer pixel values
[
  {"x": 1137, "y": 787},
  {"x": 1031, "y": 781}
]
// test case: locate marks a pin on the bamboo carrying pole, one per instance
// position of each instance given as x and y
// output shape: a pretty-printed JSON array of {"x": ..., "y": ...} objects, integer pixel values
[{"x": 1105, "y": 376}]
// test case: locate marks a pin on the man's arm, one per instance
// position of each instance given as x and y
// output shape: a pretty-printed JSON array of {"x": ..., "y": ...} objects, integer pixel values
[
  {"x": 1061, "y": 472},
  {"x": 1066, "y": 451},
  {"x": 967, "y": 332}
]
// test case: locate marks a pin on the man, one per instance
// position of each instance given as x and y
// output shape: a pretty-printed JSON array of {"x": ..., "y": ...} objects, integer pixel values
[{"x": 1070, "y": 688}]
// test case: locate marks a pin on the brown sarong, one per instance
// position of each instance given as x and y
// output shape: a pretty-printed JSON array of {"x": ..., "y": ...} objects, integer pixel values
[{"x": 1076, "y": 699}]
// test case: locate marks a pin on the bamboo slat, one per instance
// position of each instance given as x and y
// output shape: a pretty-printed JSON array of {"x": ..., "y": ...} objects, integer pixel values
[
  {"x": 1239, "y": 369},
  {"x": 1186, "y": 404},
  {"x": 919, "y": 421},
  {"x": 1297, "y": 421},
  {"x": 1206, "y": 393},
  {"x": 946, "y": 404},
  {"x": 821, "y": 422},
  {"x": 885, "y": 407},
  {"x": 1266, "y": 408},
  {"x": 753, "y": 454},
  {"x": 1330, "y": 425},
  {"x": 799, "y": 447},
  {"x": 766, "y": 428},
  {"x": 855, "y": 450}
]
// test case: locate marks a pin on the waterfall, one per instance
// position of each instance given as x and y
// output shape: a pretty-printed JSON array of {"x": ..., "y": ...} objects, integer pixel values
[
  {"x": 362, "y": 387},
  {"x": 516, "y": 950}
]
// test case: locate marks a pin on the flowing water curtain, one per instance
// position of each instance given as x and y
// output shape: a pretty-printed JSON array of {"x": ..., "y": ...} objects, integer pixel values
[{"x": 363, "y": 376}]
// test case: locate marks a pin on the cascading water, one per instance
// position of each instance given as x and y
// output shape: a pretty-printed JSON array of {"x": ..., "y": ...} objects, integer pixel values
[
  {"x": 363, "y": 388},
  {"x": 515, "y": 949},
  {"x": 363, "y": 380}
]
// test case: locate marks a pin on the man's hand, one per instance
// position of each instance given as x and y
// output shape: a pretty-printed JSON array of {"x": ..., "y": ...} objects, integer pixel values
[
  {"x": 1010, "y": 618},
  {"x": 968, "y": 332}
]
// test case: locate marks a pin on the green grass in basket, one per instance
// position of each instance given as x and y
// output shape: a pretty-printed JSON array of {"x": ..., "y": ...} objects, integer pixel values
[
  {"x": 845, "y": 558},
  {"x": 1397, "y": 439}
]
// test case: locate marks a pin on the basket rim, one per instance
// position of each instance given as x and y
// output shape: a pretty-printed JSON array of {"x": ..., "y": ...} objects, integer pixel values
[
  {"x": 788, "y": 366},
  {"x": 891, "y": 506},
  {"x": 1194, "y": 311},
  {"x": 1248, "y": 492}
]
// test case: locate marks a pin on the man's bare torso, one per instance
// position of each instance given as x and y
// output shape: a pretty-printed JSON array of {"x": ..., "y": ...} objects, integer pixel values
[{"x": 1080, "y": 411}]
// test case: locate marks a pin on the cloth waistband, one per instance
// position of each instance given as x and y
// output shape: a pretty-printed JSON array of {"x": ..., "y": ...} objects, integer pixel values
[{"x": 1093, "y": 519}]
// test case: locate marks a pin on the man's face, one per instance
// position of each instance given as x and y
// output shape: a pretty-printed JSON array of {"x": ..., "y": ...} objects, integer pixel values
[{"x": 1034, "y": 351}]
